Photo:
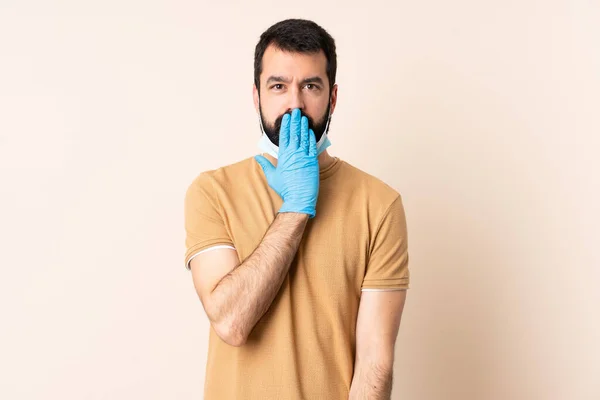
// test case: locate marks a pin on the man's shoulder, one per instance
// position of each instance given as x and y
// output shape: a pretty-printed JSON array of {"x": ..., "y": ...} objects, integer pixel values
[
  {"x": 369, "y": 183},
  {"x": 227, "y": 173}
]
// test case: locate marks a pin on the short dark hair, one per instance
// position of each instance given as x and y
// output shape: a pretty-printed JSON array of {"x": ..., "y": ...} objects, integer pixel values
[{"x": 298, "y": 36}]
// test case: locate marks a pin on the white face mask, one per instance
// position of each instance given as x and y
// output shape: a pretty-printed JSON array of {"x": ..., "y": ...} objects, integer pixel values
[{"x": 269, "y": 147}]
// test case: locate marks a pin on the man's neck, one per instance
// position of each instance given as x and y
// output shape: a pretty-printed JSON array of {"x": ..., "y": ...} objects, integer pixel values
[{"x": 325, "y": 160}]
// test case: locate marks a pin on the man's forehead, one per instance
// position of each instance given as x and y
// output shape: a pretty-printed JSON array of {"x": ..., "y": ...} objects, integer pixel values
[{"x": 277, "y": 62}]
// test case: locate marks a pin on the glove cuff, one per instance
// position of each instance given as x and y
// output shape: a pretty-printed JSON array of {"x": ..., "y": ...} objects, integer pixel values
[{"x": 298, "y": 209}]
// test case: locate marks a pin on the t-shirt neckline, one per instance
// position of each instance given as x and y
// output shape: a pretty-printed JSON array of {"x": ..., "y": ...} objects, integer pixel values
[{"x": 330, "y": 169}]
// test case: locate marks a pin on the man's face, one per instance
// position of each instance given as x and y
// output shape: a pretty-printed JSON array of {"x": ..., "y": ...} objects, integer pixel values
[{"x": 293, "y": 80}]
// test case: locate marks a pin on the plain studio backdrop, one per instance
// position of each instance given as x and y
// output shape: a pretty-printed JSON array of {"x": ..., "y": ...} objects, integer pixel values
[{"x": 483, "y": 115}]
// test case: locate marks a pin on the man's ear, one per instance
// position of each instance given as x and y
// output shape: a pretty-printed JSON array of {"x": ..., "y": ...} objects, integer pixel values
[
  {"x": 334, "y": 92},
  {"x": 255, "y": 97}
]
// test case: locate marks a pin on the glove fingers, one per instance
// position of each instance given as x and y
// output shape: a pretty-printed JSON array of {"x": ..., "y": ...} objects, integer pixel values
[
  {"x": 284, "y": 132},
  {"x": 312, "y": 144},
  {"x": 295, "y": 129},
  {"x": 304, "y": 135}
]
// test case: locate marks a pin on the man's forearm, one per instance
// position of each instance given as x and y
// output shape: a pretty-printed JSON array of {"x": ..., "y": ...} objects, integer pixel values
[
  {"x": 372, "y": 381},
  {"x": 243, "y": 296}
]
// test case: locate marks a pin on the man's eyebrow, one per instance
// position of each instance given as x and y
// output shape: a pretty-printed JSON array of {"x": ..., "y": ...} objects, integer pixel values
[
  {"x": 278, "y": 79},
  {"x": 313, "y": 79}
]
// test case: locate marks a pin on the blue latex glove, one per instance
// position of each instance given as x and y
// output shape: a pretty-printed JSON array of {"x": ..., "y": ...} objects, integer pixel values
[{"x": 296, "y": 177}]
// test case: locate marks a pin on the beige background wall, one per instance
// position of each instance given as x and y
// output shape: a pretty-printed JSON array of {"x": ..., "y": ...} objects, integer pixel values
[{"x": 484, "y": 115}]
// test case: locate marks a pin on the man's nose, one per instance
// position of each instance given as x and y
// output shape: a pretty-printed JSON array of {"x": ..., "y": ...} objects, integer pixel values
[{"x": 295, "y": 99}]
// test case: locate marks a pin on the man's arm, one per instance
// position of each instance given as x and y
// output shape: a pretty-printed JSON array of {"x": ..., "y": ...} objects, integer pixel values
[
  {"x": 378, "y": 321},
  {"x": 236, "y": 297}
]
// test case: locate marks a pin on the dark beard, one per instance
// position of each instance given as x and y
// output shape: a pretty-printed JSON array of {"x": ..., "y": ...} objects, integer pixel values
[{"x": 273, "y": 131}]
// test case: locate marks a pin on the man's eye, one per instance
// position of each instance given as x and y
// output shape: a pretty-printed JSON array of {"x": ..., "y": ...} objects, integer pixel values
[
  {"x": 311, "y": 86},
  {"x": 277, "y": 86}
]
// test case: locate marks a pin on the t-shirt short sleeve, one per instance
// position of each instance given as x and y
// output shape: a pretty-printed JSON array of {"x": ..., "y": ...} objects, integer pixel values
[
  {"x": 387, "y": 267},
  {"x": 204, "y": 224}
]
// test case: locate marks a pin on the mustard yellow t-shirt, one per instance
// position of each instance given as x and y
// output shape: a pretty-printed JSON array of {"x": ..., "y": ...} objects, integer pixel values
[{"x": 304, "y": 346}]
